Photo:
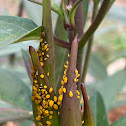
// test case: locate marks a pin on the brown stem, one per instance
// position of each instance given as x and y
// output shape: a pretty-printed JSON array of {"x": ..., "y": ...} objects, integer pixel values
[
  {"x": 101, "y": 14},
  {"x": 90, "y": 43},
  {"x": 61, "y": 43}
]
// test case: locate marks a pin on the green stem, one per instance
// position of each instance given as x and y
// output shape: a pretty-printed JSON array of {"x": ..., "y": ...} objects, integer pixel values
[
  {"x": 75, "y": 5},
  {"x": 54, "y": 7},
  {"x": 101, "y": 14},
  {"x": 49, "y": 64},
  {"x": 90, "y": 43}
]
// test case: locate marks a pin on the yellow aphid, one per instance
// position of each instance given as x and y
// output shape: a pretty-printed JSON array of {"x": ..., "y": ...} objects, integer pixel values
[
  {"x": 47, "y": 49},
  {"x": 45, "y": 58},
  {"x": 34, "y": 88},
  {"x": 40, "y": 124},
  {"x": 32, "y": 67},
  {"x": 50, "y": 90},
  {"x": 76, "y": 80},
  {"x": 42, "y": 75},
  {"x": 46, "y": 111},
  {"x": 65, "y": 66},
  {"x": 39, "y": 101},
  {"x": 78, "y": 97},
  {"x": 55, "y": 99},
  {"x": 51, "y": 112},
  {"x": 48, "y": 74},
  {"x": 83, "y": 122},
  {"x": 60, "y": 91},
  {"x": 78, "y": 75},
  {"x": 67, "y": 62},
  {"x": 48, "y": 122},
  {"x": 33, "y": 98},
  {"x": 55, "y": 106},
  {"x": 62, "y": 82},
  {"x": 47, "y": 55},
  {"x": 41, "y": 39},
  {"x": 60, "y": 98},
  {"x": 45, "y": 86},
  {"x": 42, "y": 53},
  {"x": 64, "y": 90},
  {"x": 38, "y": 118},
  {"x": 58, "y": 113},
  {"x": 38, "y": 96},
  {"x": 76, "y": 71},
  {"x": 68, "y": 55},
  {"x": 58, "y": 103},
  {"x": 42, "y": 64},
  {"x": 65, "y": 79},
  {"x": 51, "y": 102},
  {"x": 45, "y": 46},
  {"x": 78, "y": 92},
  {"x": 71, "y": 94},
  {"x": 47, "y": 96},
  {"x": 50, "y": 117},
  {"x": 81, "y": 101}
]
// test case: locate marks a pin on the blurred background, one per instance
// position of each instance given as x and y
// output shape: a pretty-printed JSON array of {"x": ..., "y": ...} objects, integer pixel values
[{"x": 107, "y": 60}]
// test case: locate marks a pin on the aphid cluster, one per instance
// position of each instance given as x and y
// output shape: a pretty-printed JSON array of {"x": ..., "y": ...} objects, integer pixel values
[{"x": 41, "y": 95}]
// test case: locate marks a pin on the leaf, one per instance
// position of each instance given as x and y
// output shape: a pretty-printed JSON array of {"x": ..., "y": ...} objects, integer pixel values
[
  {"x": 16, "y": 48},
  {"x": 120, "y": 122},
  {"x": 34, "y": 11},
  {"x": 14, "y": 28},
  {"x": 59, "y": 51},
  {"x": 14, "y": 90},
  {"x": 87, "y": 114},
  {"x": 110, "y": 88},
  {"x": 28, "y": 63},
  {"x": 97, "y": 68},
  {"x": 12, "y": 114},
  {"x": 98, "y": 109}
]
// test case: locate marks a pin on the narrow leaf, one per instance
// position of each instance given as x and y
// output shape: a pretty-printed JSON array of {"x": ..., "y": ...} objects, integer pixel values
[
  {"x": 87, "y": 115},
  {"x": 39, "y": 69},
  {"x": 28, "y": 63},
  {"x": 99, "y": 110},
  {"x": 120, "y": 122}
]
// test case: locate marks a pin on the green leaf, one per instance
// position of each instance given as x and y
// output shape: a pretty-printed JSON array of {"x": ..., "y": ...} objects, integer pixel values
[
  {"x": 87, "y": 114},
  {"x": 110, "y": 87},
  {"x": 14, "y": 28},
  {"x": 12, "y": 114},
  {"x": 120, "y": 122},
  {"x": 14, "y": 90},
  {"x": 60, "y": 52},
  {"x": 16, "y": 48},
  {"x": 28, "y": 63},
  {"x": 35, "y": 14},
  {"x": 97, "y": 68},
  {"x": 98, "y": 109}
]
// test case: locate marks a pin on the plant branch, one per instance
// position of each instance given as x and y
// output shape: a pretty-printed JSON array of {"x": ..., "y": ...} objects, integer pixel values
[
  {"x": 90, "y": 43},
  {"x": 75, "y": 5},
  {"x": 54, "y": 7},
  {"x": 62, "y": 43},
  {"x": 101, "y": 14}
]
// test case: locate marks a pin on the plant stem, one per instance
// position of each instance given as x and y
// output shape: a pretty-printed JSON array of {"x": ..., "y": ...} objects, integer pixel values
[
  {"x": 61, "y": 43},
  {"x": 54, "y": 7},
  {"x": 49, "y": 65},
  {"x": 90, "y": 43},
  {"x": 101, "y": 14}
]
